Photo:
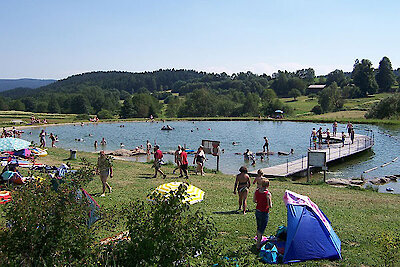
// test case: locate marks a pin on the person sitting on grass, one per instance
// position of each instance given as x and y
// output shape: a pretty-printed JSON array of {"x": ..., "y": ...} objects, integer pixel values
[
  {"x": 264, "y": 203},
  {"x": 13, "y": 176}
]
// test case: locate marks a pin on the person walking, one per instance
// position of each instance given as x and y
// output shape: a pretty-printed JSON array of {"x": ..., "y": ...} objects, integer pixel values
[
  {"x": 42, "y": 137},
  {"x": 259, "y": 178},
  {"x": 158, "y": 155},
  {"x": 53, "y": 140},
  {"x": 263, "y": 199},
  {"x": 199, "y": 159},
  {"x": 177, "y": 158},
  {"x": 148, "y": 147},
  {"x": 184, "y": 163},
  {"x": 104, "y": 169},
  {"x": 242, "y": 186},
  {"x": 266, "y": 145},
  {"x": 352, "y": 136}
]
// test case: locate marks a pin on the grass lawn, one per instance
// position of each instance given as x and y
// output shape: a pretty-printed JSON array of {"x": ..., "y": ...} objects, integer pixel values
[
  {"x": 7, "y": 116},
  {"x": 355, "y": 110},
  {"x": 357, "y": 216}
]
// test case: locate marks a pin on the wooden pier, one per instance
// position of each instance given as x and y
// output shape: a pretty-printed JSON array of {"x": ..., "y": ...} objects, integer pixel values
[{"x": 334, "y": 152}]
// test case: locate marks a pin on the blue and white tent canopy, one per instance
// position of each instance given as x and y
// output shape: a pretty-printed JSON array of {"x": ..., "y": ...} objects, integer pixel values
[
  {"x": 310, "y": 235},
  {"x": 13, "y": 144}
]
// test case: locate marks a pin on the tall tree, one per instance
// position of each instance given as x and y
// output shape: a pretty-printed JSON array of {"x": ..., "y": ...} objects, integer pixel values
[
  {"x": 336, "y": 76},
  {"x": 127, "y": 110},
  {"x": 384, "y": 76},
  {"x": 330, "y": 99},
  {"x": 363, "y": 77}
]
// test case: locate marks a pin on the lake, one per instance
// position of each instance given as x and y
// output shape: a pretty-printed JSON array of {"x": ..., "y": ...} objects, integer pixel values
[{"x": 282, "y": 135}]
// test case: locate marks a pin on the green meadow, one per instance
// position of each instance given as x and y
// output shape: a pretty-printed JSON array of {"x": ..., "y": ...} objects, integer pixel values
[{"x": 359, "y": 217}]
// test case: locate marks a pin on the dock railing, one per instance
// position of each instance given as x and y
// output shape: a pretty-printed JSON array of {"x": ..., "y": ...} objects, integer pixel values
[{"x": 334, "y": 151}]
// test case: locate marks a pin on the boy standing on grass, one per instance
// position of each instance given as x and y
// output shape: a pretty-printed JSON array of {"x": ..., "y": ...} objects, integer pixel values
[
  {"x": 264, "y": 202},
  {"x": 158, "y": 155},
  {"x": 184, "y": 163}
]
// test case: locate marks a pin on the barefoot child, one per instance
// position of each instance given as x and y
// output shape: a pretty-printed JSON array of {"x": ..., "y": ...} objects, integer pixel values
[
  {"x": 258, "y": 178},
  {"x": 264, "y": 202}
]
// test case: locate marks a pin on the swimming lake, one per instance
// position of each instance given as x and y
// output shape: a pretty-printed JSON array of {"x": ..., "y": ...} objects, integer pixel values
[{"x": 282, "y": 136}]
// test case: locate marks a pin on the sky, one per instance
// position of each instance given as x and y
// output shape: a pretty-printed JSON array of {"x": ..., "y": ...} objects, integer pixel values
[{"x": 56, "y": 39}]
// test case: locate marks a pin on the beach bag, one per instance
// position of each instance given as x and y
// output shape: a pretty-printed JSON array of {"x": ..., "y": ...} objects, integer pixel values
[
  {"x": 269, "y": 253},
  {"x": 281, "y": 233}
]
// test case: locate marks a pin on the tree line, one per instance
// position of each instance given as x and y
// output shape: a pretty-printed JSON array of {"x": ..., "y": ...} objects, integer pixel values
[{"x": 189, "y": 93}]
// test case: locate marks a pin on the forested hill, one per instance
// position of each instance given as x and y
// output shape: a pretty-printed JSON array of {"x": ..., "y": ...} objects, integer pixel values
[
  {"x": 8, "y": 84},
  {"x": 113, "y": 80},
  {"x": 189, "y": 93}
]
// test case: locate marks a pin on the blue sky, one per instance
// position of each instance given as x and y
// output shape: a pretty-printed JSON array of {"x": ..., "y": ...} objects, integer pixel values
[{"x": 55, "y": 39}]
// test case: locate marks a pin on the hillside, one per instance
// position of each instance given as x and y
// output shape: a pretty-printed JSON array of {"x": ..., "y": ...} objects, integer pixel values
[{"x": 8, "y": 84}]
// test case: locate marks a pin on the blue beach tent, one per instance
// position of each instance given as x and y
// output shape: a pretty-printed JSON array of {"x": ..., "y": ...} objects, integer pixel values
[{"x": 309, "y": 232}]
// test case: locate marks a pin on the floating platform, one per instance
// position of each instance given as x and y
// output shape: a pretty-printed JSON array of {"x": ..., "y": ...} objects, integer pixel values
[{"x": 334, "y": 152}]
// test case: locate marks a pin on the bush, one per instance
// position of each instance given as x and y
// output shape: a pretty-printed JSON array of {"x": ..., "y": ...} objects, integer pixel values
[
  {"x": 105, "y": 114},
  {"x": 295, "y": 93},
  {"x": 312, "y": 96},
  {"x": 47, "y": 227},
  {"x": 330, "y": 99},
  {"x": 386, "y": 108},
  {"x": 317, "y": 109},
  {"x": 82, "y": 117},
  {"x": 164, "y": 232}
]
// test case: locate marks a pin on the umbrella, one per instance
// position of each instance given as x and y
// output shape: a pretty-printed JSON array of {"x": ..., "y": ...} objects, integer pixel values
[
  {"x": 13, "y": 144},
  {"x": 194, "y": 194},
  {"x": 278, "y": 111}
]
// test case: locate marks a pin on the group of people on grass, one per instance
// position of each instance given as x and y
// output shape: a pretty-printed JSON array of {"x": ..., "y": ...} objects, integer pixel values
[
  {"x": 11, "y": 133},
  {"x": 104, "y": 165},
  {"x": 262, "y": 197},
  {"x": 181, "y": 161},
  {"x": 316, "y": 135},
  {"x": 35, "y": 120}
]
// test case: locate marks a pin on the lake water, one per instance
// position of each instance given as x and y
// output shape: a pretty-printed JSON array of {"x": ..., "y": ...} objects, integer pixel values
[{"x": 282, "y": 136}]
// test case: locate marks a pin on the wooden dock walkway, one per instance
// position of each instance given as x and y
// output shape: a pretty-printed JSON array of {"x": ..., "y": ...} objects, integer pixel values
[{"x": 334, "y": 152}]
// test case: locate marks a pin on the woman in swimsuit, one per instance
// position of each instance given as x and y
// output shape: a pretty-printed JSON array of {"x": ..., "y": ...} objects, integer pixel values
[
  {"x": 242, "y": 185},
  {"x": 199, "y": 158}
]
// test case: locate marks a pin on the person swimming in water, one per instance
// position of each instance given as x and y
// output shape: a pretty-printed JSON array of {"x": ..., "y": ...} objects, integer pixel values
[{"x": 103, "y": 142}]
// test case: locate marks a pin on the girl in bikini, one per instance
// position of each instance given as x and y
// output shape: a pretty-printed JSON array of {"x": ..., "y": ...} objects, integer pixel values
[{"x": 242, "y": 185}]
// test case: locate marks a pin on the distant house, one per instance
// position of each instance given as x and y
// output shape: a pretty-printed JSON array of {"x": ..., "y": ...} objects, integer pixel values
[{"x": 315, "y": 88}]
